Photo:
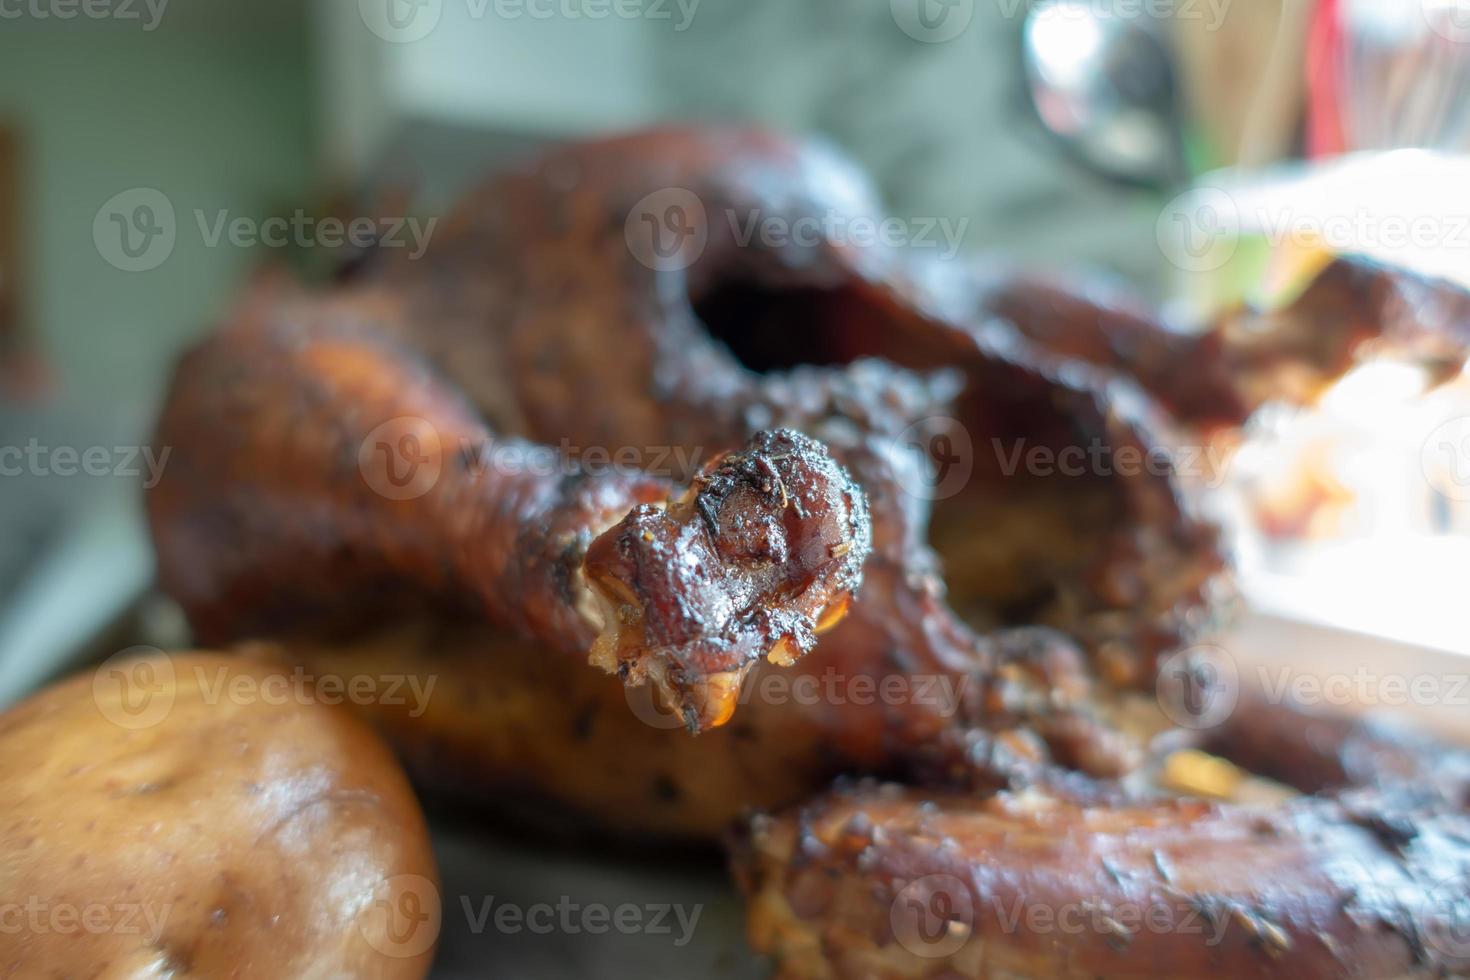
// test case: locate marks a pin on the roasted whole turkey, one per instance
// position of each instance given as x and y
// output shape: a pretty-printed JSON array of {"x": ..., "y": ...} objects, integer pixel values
[{"x": 603, "y": 418}]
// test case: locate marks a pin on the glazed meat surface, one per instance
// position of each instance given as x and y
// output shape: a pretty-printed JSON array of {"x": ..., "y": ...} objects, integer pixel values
[
  {"x": 539, "y": 318},
  {"x": 532, "y": 319},
  {"x": 814, "y": 438},
  {"x": 280, "y": 416},
  {"x": 584, "y": 750},
  {"x": 888, "y": 882},
  {"x": 1367, "y": 877}
]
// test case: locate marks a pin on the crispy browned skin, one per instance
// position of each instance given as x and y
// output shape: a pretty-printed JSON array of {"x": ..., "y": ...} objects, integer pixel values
[
  {"x": 510, "y": 722},
  {"x": 880, "y": 882},
  {"x": 198, "y": 815},
  {"x": 275, "y": 508},
  {"x": 1247, "y": 356},
  {"x": 1318, "y": 752},
  {"x": 530, "y": 316},
  {"x": 1369, "y": 878},
  {"x": 762, "y": 552},
  {"x": 507, "y": 718}
]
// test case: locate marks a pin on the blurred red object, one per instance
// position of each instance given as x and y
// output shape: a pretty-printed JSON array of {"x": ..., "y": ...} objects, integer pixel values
[
  {"x": 1388, "y": 74},
  {"x": 1325, "y": 135}
]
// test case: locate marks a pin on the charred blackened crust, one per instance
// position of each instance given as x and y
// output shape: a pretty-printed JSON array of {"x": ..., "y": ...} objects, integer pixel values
[{"x": 760, "y": 555}]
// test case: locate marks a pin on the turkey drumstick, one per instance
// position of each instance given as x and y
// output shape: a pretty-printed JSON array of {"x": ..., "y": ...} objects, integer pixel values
[{"x": 315, "y": 443}]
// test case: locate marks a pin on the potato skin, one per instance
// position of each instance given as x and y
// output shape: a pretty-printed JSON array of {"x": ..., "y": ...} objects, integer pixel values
[{"x": 187, "y": 816}]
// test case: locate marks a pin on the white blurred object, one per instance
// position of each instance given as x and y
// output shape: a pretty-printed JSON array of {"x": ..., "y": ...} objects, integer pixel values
[
  {"x": 1356, "y": 512},
  {"x": 1403, "y": 207},
  {"x": 1405, "y": 74},
  {"x": 1403, "y": 588}
]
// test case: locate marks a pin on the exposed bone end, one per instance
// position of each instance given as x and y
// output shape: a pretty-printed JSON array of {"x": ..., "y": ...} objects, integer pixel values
[{"x": 759, "y": 556}]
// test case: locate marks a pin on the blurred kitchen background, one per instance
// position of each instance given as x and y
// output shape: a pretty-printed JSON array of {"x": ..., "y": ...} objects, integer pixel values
[{"x": 1202, "y": 151}]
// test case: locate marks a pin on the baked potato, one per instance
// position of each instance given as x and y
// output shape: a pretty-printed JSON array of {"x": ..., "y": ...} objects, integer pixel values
[{"x": 196, "y": 814}]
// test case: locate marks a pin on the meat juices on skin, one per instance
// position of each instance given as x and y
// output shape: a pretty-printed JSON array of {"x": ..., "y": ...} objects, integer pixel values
[{"x": 760, "y": 555}]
